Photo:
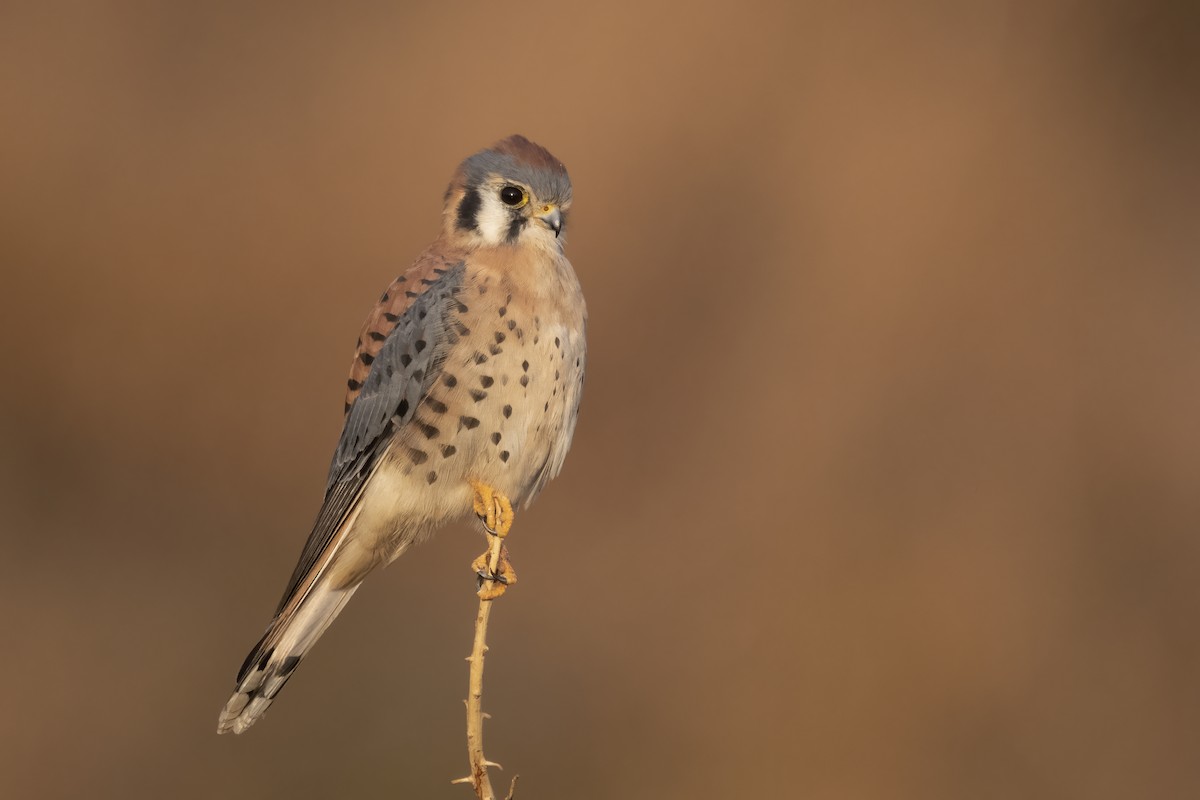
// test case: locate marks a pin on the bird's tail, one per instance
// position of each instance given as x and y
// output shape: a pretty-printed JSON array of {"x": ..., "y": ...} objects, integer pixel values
[{"x": 288, "y": 639}]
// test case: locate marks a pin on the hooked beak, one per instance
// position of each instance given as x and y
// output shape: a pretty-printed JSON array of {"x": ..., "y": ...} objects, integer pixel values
[{"x": 553, "y": 219}]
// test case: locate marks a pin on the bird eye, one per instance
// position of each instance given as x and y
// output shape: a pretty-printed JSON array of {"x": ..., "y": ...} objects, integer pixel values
[{"x": 513, "y": 196}]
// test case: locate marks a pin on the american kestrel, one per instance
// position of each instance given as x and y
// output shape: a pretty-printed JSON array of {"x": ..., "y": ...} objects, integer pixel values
[{"x": 462, "y": 398}]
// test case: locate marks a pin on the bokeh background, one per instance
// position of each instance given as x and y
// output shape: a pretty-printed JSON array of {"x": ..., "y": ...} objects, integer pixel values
[{"x": 886, "y": 480}]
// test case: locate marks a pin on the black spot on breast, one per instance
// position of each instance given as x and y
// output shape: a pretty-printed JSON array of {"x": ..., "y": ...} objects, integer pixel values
[
  {"x": 468, "y": 422},
  {"x": 477, "y": 395},
  {"x": 480, "y": 358},
  {"x": 462, "y": 330},
  {"x": 507, "y": 412},
  {"x": 495, "y": 350},
  {"x": 524, "y": 380},
  {"x": 525, "y": 366},
  {"x": 503, "y": 310},
  {"x": 411, "y": 294},
  {"x": 428, "y": 282},
  {"x": 460, "y": 306},
  {"x": 557, "y": 343},
  {"x": 496, "y": 437},
  {"x": 366, "y": 358},
  {"x": 486, "y": 381},
  {"x": 417, "y": 456},
  {"x": 431, "y": 477},
  {"x": 353, "y": 385},
  {"x": 468, "y": 209},
  {"x": 435, "y": 405},
  {"x": 390, "y": 317},
  {"x": 448, "y": 450},
  {"x": 500, "y": 337},
  {"x": 504, "y": 456},
  {"x": 430, "y": 431},
  {"x": 377, "y": 336},
  {"x": 512, "y": 323},
  {"x": 450, "y": 380}
]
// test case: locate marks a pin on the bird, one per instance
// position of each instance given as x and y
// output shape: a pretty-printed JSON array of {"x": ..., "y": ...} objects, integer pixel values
[{"x": 462, "y": 399}]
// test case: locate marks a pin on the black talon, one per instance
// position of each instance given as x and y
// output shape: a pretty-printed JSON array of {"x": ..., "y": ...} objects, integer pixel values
[{"x": 483, "y": 575}]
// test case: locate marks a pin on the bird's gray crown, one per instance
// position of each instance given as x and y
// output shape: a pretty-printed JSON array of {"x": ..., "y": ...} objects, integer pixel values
[{"x": 522, "y": 161}]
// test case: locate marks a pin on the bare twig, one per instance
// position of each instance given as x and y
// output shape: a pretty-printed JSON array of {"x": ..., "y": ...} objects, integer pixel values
[{"x": 479, "y": 775}]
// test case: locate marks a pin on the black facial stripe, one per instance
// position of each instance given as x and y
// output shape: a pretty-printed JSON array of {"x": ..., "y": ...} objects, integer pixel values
[
  {"x": 468, "y": 209},
  {"x": 514, "y": 228}
]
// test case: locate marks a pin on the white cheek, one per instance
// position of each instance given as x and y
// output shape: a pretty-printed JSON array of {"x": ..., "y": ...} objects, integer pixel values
[{"x": 493, "y": 220}]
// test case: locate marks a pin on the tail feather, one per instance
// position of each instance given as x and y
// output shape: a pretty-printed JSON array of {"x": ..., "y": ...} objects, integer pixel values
[{"x": 273, "y": 660}]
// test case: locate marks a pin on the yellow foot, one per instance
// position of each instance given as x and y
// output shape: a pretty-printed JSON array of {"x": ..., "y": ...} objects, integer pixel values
[
  {"x": 492, "y": 585},
  {"x": 493, "y": 508}
]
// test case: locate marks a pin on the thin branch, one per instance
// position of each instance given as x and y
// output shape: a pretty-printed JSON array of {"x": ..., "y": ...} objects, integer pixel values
[{"x": 479, "y": 775}]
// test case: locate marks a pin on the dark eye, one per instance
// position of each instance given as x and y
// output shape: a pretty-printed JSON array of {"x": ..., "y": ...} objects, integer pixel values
[{"x": 512, "y": 196}]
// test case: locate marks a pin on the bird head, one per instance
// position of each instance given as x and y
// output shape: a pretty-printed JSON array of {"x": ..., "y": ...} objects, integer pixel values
[{"x": 513, "y": 193}]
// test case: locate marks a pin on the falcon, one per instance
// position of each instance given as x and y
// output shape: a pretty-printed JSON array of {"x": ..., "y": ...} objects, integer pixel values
[{"x": 462, "y": 399}]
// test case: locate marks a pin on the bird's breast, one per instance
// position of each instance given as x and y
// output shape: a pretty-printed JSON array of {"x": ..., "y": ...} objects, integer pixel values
[{"x": 502, "y": 409}]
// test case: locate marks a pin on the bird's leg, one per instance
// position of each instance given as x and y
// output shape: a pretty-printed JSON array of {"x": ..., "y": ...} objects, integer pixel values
[{"x": 494, "y": 510}]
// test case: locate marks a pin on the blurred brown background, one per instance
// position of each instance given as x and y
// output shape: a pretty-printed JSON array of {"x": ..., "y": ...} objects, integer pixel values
[{"x": 886, "y": 479}]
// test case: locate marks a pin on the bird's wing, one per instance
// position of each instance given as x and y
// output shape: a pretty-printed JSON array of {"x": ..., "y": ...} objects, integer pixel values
[{"x": 400, "y": 354}]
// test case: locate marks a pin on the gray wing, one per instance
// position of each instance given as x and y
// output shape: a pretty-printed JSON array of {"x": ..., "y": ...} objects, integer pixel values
[{"x": 401, "y": 373}]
